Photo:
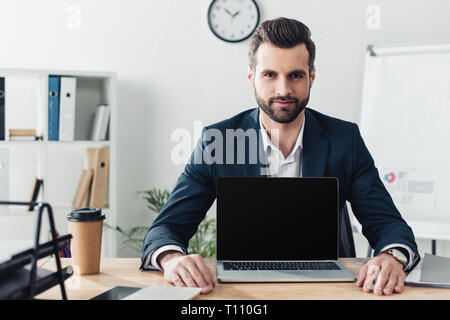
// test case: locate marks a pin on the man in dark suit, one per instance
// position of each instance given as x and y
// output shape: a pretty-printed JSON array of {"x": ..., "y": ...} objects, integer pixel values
[{"x": 292, "y": 141}]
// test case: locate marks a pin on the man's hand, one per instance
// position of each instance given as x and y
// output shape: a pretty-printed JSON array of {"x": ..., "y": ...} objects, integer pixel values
[
  {"x": 187, "y": 270},
  {"x": 382, "y": 274}
]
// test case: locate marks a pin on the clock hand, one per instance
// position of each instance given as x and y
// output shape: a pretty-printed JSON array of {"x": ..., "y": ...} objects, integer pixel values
[
  {"x": 234, "y": 15},
  {"x": 228, "y": 12}
]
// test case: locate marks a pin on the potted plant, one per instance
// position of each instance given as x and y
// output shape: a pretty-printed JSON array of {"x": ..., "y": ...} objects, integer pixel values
[{"x": 203, "y": 242}]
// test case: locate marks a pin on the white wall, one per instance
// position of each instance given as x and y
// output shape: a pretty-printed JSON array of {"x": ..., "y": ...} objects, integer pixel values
[{"x": 172, "y": 70}]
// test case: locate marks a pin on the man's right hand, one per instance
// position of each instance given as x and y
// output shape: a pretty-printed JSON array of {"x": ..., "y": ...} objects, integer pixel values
[{"x": 186, "y": 270}]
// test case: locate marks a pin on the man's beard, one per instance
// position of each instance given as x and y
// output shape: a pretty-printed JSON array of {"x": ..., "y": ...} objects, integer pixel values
[{"x": 282, "y": 116}]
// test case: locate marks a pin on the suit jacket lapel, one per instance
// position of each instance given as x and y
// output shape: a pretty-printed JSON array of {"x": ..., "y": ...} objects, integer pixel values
[{"x": 315, "y": 148}]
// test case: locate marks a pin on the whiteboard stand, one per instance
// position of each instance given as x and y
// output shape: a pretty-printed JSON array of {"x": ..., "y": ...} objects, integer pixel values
[
  {"x": 404, "y": 123},
  {"x": 422, "y": 231},
  {"x": 431, "y": 230}
]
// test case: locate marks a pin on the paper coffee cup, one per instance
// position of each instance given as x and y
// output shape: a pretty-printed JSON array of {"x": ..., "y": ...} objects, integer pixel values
[{"x": 86, "y": 226}]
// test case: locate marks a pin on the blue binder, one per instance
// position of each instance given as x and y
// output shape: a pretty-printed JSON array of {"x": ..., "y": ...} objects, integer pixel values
[
  {"x": 2, "y": 108},
  {"x": 54, "y": 84}
]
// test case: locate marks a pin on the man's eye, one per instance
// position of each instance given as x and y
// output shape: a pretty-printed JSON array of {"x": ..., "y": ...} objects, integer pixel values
[
  {"x": 269, "y": 74},
  {"x": 297, "y": 76}
]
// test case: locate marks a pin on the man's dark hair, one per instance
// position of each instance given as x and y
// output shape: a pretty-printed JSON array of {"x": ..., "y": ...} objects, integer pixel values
[{"x": 282, "y": 33}]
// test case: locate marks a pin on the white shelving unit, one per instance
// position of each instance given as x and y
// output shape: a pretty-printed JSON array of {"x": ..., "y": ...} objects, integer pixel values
[{"x": 58, "y": 163}]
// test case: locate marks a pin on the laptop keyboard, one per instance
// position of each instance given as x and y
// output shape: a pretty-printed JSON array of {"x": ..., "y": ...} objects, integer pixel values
[{"x": 282, "y": 265}]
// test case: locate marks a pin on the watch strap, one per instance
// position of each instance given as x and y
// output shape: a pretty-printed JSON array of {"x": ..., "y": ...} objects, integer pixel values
[{"x": 402, "y": 250}]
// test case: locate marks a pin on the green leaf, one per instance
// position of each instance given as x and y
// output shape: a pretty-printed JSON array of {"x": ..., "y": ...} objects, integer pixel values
[
  {"x": 156, "y": 198},
  {"x": 203, "y": 242}
]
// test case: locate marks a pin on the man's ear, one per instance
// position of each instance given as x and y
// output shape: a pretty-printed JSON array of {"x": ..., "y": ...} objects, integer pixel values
[
  {"x": 312, "y": 76},
  {"x": 251, "y": 76}
]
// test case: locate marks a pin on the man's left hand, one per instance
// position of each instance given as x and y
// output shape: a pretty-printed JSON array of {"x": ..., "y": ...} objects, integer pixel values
[{"x": 382, "y": 274}]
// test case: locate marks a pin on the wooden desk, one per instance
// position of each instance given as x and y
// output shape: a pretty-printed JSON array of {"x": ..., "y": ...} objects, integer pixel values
[{"x": 125, "y": 272}]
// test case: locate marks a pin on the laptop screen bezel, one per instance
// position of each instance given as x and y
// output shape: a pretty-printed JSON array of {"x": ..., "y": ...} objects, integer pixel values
[{"x": 224, "y": 182}]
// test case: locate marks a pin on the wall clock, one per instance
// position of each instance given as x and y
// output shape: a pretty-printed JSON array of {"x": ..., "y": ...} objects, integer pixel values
[{"x": 233, "y": 20}]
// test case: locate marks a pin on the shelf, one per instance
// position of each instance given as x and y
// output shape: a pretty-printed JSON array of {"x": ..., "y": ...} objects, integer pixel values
[
  {"x": 21, "y": 143},
  {"x": 14, "y": 211},
  {"x": 82, "y": 143},
  {"x": 67, "y": 206},
  {"x": 59, "y": 164},
  {"x": 11, "y": 72}
]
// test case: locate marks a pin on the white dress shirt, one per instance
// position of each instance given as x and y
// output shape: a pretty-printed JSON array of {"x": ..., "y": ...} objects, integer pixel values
[{"x": 278, "y": 166}]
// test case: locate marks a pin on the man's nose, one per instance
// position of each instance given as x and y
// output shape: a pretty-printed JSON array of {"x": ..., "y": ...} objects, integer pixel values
[{"x": 283, "y": 88}]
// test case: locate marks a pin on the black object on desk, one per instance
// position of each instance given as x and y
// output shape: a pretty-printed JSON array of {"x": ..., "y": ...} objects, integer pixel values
[
  {"x": 20, "y": 278},
  {"x": 116, "y": 293}
]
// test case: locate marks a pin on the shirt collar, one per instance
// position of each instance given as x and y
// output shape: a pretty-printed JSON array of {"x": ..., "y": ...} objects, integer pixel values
[{"x": 268, "y": 143}]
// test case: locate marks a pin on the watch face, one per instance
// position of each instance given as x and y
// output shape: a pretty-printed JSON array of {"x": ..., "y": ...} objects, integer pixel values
[{"x": 233, "y": 20}]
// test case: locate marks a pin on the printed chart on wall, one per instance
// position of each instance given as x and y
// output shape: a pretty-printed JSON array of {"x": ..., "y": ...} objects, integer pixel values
[
  {"x": 405, "y": 124},
  {"x": 410, "y": 187}
]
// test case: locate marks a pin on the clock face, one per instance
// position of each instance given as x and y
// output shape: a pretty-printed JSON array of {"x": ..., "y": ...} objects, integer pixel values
[{"x": 233, "y": 20}]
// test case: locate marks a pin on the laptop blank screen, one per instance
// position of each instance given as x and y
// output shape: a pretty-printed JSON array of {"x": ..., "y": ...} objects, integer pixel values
[{"x": 277, "y": 219}]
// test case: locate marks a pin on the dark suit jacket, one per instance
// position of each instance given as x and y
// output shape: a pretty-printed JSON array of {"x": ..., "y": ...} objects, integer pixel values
[{"x": 331, "y": 148}]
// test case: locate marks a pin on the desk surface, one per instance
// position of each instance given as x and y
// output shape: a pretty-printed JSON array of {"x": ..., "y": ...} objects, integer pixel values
[{"x": 125, "y": 272}]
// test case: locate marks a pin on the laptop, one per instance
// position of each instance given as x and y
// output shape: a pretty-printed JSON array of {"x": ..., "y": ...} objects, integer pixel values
[{"x": 278, "y": 230}]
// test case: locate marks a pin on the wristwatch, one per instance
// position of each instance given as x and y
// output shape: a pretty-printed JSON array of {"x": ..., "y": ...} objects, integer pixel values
[{"x": 398, "y": 255}]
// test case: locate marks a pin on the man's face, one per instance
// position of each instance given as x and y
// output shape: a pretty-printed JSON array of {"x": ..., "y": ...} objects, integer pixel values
[{"x": 282, "y": 81}]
